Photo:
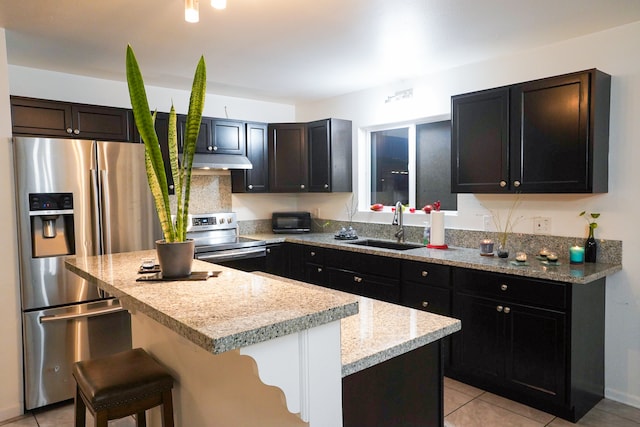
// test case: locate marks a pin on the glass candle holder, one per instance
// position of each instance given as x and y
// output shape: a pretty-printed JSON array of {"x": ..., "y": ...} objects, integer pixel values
[
  {"x": 486, "y": 247},
  {"x": 576, "y": 254}
]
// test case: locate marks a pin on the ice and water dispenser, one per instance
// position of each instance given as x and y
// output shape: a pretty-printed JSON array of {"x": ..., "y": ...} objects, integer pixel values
[{"x": 51, "y": 216}]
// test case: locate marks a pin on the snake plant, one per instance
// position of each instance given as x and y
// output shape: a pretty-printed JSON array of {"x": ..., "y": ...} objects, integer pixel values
[{"x": 173, "y": 232}]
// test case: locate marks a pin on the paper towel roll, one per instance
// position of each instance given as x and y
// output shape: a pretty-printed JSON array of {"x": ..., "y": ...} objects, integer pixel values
[{"x": 437, "y": 228}]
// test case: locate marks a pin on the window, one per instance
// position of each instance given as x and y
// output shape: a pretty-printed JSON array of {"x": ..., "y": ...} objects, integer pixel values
[
  {"x": 412, "y": 164},
  {"x": 390, "y": 166}
]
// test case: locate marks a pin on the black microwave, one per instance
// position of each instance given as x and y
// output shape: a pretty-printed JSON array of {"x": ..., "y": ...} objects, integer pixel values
[{"x": 291, "y": 222}]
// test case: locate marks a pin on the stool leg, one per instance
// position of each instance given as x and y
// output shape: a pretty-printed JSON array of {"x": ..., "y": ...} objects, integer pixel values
[
  {"x": 167, "y": 409},
  {"x": 80, "y": 410},
  {"x": 141, "y": 419}
]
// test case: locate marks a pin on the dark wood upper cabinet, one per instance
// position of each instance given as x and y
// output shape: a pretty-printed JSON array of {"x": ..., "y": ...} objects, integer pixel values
[
  {"x": 288, "y": 154},
  {"x": 314, "y": 156},
  {"x": 41, "y": 117},
  {"x": 545, "y": 136},
  {"x": 228, "y": 137},
  {"x": 255, "y": 180},
  {"x": 329, "y": 155}
]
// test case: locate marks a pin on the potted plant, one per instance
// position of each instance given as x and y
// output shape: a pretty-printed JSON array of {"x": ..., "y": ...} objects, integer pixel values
[
  {"x": 175, "y": 252},
  {"x": 590, "y": 245}
]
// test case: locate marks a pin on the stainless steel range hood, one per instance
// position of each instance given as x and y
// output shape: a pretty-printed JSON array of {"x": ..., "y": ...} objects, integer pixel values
[{"x": 220, "y": 161}]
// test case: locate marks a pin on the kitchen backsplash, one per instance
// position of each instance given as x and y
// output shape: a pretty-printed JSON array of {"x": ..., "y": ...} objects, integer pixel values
[
  {"x": 609, "y": 251},
  {"x": 210, "y": 193}
]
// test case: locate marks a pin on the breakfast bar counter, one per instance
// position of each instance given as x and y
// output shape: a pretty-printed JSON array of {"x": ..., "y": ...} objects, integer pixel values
[{"x": 253, "y": 349}]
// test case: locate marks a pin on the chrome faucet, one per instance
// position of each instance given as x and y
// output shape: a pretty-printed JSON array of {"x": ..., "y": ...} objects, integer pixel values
[{"x": 397, "y": 220}]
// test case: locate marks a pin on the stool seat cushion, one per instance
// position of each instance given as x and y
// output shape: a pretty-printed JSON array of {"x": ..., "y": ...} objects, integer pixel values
[{"x": 121, "y": 378}]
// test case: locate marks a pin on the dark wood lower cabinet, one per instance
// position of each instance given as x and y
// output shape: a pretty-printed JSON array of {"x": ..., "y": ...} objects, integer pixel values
[
  {"x": 406, "y": 391},
  {"x": 536, "y": 342}
]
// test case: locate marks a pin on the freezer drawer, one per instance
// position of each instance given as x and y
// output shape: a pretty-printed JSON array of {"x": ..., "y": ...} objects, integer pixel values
[{"x": 56, "y": 338}]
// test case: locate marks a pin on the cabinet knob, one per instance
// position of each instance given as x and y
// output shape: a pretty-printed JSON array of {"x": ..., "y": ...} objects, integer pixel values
[
  {"x": 319, "y": 269},
  {"x": 171, "y": 187},
  {"x": 503, "y": 184},
  {"x": 424, "y": 273},
  {"x": 507, "y": 310},
  {"x": 499, "y": 309},
  {"x": 357, "y": 279},
  {"x": 69, "y": 130},
  {"x": 326, "y": 186},
  {"x": 76, "y": 131},
  {"x": 516, "y": 183},
  {"x": 215, "y": 148},
  {"x": 425, "y": 304},
  {"x": 268, "y": 250},
  {"x": 210, "y": 148},
  {"x": 312, "y": 253},
  {"x": 302, "y": 186},
  {"x": 503, "y": 287}
]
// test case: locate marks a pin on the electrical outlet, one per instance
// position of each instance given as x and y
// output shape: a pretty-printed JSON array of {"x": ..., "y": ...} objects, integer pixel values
[
  {"x": 541, "y": 225},
  {"x": 488, "y": 222},
  {"x": 315, "y": 213}
]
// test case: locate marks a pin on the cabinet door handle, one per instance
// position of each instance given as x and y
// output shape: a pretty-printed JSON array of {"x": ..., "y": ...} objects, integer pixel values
[
  {"x": 503, "y": 184},
  {"x": 425, "y": 304},
  {"x": 516, "y": 183},
  {"x": 503, "y": 287},
  {"x": 507, "y": 310},
  {"x": 313, "y": 253},
  {"x": 268, "y": 250},
  {"x": 215, "y": 148},
  {"x": 210, "y": 148},
  {"x": 424, "y": 273},
  {"x": 302, "y": 186},
  {"x": 499, "y": 309},
  {"x": 76, "y": 131},
  {"x": 250, "y": 187},
  {"x": 319, "y": 269},
  {"x": 357, "y": 279},
  {"x": 171, "y": 186},
  {"x": 69, "y": 130}
]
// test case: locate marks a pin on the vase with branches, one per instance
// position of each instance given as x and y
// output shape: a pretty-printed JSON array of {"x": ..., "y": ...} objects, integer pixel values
[{"x": 504, "y": 226}]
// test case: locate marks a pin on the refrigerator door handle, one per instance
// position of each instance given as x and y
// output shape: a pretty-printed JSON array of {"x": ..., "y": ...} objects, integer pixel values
[
  {"x": 82, "y": 314},
  {"x": 95, "y": 208},
  {"x": 106, "y": 213}
]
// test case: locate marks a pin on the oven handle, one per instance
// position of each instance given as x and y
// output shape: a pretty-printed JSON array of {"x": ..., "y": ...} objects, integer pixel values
[
  {"x": 230, "y": 254},
  {"x": 86, "y": 313}
]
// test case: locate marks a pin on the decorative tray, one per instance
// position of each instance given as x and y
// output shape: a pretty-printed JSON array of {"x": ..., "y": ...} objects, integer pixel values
[{"x": 195, "y": 275}]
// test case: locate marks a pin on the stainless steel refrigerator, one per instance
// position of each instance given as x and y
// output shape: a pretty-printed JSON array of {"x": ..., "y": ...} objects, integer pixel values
[{"x": 74, "y": 197}]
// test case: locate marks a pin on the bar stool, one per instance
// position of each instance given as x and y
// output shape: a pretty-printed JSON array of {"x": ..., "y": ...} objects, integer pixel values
[{"x": 120, "y": 385}]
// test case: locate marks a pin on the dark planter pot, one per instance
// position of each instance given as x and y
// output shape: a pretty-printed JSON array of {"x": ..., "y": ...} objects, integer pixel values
[{"x": 175, "y": 258}]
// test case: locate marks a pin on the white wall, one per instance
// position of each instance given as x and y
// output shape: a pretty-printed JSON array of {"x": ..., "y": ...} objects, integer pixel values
[
  {"x": 10, "y": 325},
  {"x": 613, "y": 51}
]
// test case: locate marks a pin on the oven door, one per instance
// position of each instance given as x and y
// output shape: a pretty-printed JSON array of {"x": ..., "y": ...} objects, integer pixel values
[{"x": 245, "y": 259}]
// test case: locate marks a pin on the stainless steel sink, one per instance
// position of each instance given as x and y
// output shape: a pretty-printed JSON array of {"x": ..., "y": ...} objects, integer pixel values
[{"x": 385, "y": 244}]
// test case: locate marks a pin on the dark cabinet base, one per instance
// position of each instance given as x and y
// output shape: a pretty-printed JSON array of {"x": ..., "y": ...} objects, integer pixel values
[{"x": 405, "y": 391}]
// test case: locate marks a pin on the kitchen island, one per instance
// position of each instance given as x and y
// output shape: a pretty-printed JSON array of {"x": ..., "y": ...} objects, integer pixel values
[{"x": 249, "y": 349}]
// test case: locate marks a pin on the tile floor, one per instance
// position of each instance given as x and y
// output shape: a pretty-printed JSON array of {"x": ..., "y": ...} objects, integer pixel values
[{"x": 464, "y": 406}]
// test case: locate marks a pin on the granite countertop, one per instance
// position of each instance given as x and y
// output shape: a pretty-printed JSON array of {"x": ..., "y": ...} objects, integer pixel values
[
  {"x": 460, "y": 257},
  {"x": 233, "y": 310},
  {"x": 381, "y": 330}
]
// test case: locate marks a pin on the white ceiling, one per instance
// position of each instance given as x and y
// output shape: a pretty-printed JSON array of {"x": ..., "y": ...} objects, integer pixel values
[{"x": 291, "y": 50}]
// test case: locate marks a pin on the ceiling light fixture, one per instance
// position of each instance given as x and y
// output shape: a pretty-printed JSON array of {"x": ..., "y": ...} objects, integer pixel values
[
  {"x": 219, "y": 4},
  {"x": 191, "y": 13}
]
